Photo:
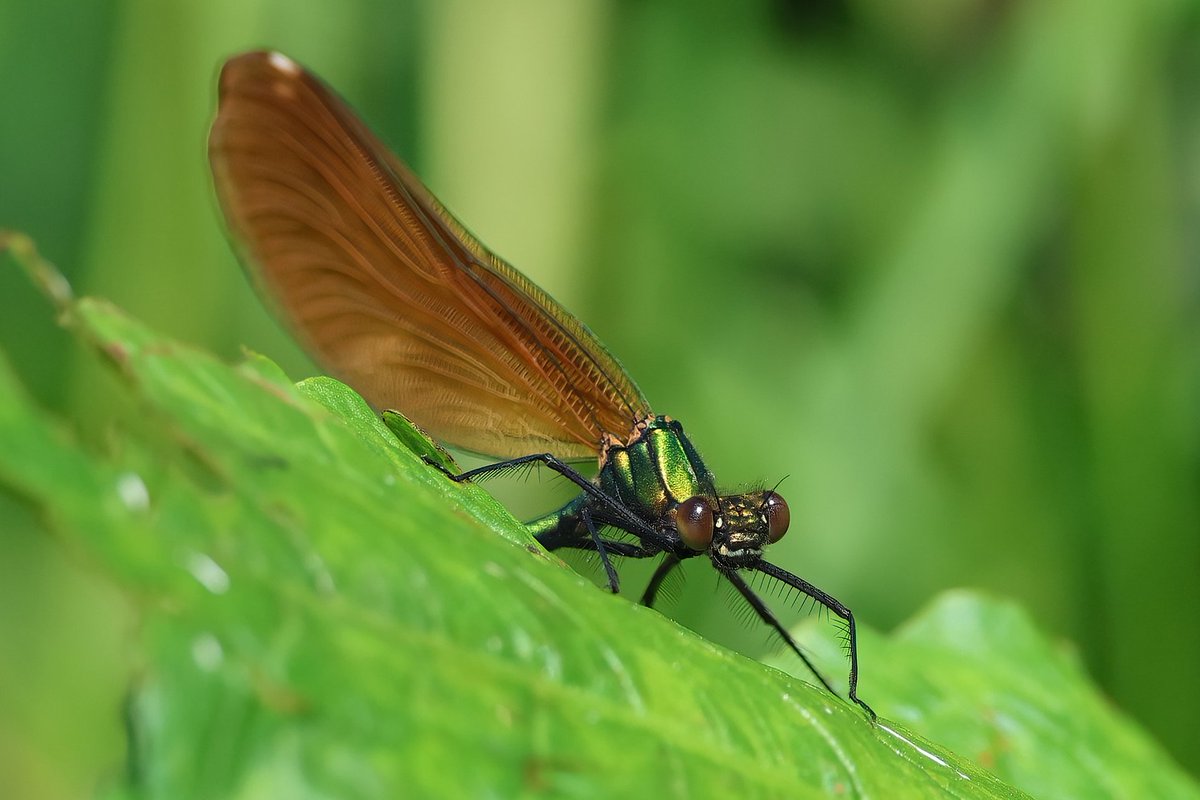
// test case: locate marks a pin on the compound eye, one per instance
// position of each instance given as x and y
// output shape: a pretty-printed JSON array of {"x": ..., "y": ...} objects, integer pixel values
[
  {"x": 779, "y": 516},
  {"x": 694, "y": 521}
]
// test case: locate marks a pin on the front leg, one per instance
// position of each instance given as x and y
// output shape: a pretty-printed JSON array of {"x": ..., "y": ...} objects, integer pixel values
[
  {"x": 827, "y": 600},
  {"x": 656, "y": 580},
  {"x": 764, "y": 613}
]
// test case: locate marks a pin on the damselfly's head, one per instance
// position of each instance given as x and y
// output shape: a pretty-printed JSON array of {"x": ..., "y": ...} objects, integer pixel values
[{"x": 735, "y": 528}]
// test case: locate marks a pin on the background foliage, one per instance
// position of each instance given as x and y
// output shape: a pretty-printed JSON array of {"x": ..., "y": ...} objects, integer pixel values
[{"x": 934, "y": 261}]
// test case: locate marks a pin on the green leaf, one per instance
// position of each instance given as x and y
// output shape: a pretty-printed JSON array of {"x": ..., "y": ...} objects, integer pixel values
[
  {"x": 976, "y": 675},
  {"x": 327, "y": 615}
]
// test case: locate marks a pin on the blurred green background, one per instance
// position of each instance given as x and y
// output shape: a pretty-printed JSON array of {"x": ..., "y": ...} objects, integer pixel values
[{"x": 934, "y": 261}]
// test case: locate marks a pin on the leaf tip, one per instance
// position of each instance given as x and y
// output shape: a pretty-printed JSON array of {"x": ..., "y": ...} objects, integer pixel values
[{"x": 44, "y": 275}]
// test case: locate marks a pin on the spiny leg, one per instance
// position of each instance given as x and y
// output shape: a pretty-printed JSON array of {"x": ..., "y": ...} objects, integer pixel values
[
  {"x": 831, "y": 603},
  {"x": 766, "y": 616},
  {"x": 664, "y": 569},
  {"x": 614, "y": 583},
  {"x": 614, "y": 546},
  {"x": 604, "y": 547},
  {"x": 621, "y": 516}
]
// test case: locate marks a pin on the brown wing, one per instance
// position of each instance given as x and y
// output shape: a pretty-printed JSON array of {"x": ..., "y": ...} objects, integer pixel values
[{"x": 388, "y": 291}]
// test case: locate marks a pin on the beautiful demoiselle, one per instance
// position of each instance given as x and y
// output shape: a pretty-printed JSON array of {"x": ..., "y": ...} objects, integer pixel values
[{"x": 390, "y": 293}]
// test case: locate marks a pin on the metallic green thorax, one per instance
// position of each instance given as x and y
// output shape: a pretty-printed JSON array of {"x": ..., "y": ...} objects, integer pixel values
[
  {"x": 656, "y": 471},
  {"x": 650, "y": 475}
]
